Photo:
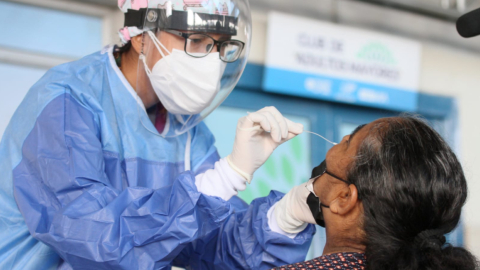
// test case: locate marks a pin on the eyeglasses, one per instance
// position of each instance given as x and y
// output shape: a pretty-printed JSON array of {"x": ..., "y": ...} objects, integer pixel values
[
  {"x": 200, "y": 45},
  {"x": 322, "y": 169}
]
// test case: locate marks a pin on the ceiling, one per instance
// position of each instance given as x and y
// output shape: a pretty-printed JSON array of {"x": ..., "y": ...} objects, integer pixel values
[
  {"x": 441, "y": 9},
  {"x": 111, "y": 3}
]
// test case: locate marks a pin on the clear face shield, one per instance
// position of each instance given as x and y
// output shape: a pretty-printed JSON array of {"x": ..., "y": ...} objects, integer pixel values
[{"x": 194, "y": 52}]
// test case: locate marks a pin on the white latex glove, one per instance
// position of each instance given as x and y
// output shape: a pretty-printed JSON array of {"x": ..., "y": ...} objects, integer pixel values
[
  {"x": 258, "y": 134},
  {"x": 292, "y": 212}
]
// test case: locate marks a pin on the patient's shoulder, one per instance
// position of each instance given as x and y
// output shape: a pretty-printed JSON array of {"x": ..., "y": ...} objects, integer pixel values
[{"x": 347, "y": 261}]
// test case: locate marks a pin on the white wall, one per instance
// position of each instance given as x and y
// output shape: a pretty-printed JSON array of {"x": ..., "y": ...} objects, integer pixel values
[
  {"x": 444, "y": 71},
  {"x": 30, "y": 60},
  {"x": 455, "y": 73}
]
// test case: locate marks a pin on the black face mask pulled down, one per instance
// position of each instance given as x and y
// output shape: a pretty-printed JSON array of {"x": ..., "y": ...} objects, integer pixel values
[
  {"x": 313, "y": 201},
  {"x": 314, "y": 204}
]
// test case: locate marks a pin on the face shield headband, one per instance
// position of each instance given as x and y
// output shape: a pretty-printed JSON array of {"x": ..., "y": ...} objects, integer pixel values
[{"x": 151, "y": 18}]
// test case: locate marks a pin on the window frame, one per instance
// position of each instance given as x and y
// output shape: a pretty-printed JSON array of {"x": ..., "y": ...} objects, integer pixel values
[{"x": 111, "y": 21}]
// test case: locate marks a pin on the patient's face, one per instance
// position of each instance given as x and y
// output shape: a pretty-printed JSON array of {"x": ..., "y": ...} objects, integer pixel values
[{"x": 338, "y": 158}]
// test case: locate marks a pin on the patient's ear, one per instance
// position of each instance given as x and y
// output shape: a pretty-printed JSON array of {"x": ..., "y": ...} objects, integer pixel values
[{"x": 346, "y": 200}]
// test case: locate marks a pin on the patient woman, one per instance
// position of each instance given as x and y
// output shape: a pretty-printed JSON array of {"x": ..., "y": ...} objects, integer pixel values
[{"x": 386, "y": 195}]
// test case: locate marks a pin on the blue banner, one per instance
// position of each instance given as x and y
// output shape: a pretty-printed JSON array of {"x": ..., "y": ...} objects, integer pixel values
[{"x": 339, "y": 90}]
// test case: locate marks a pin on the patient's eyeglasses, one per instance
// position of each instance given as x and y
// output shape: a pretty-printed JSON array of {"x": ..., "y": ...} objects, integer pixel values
[{"x": 322, "y": 169}]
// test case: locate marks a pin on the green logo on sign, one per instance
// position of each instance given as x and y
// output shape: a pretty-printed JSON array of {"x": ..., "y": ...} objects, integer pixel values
[{"x": 377, "y": 52}]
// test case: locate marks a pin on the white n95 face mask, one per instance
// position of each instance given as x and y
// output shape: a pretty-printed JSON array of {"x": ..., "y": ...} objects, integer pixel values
[{"x": 184, "y": 84}]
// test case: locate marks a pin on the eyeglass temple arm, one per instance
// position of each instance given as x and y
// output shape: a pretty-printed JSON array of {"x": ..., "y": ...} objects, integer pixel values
[{"x": 333, "y": 175}]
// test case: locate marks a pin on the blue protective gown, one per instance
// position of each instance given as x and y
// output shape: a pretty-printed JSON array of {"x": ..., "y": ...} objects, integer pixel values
[{"x": 84, "y": 185}]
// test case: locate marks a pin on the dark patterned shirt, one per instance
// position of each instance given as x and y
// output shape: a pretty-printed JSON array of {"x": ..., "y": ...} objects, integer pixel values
[{"x": 341, "y": 261}]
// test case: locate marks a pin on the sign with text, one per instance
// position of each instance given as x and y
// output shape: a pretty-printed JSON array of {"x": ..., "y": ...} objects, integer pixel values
[{"x": 326, "y": 61}]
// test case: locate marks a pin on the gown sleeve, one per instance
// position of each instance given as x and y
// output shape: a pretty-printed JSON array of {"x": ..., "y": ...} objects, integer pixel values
[
  {"x": 204, "y": 153},
  {"x": 245, "y": 241},
  {"x": 69, "y": 203}
]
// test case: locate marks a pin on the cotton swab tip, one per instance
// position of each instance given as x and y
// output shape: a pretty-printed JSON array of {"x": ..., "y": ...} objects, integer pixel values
[{"x": 320, "y": 136}]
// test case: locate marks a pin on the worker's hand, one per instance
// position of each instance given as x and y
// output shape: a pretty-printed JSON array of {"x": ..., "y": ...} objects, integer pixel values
[
  {"x": 292, "y": 212},
  {"x": 258, "y": 134}
]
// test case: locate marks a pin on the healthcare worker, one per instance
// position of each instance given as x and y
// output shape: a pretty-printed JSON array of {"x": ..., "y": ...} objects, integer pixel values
[{"x": 107, "y": 164}]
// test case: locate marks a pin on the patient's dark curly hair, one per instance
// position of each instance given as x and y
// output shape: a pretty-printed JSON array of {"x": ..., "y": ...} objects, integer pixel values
[{"x": 412, "y": 188}]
